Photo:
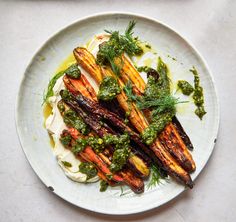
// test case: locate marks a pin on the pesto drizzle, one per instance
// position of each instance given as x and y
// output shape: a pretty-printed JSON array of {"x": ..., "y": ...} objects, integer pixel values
[
  {"x": 71, "y": 119},
  {"x": 185, "y": 87},
  {"x": 158, "y": 98},
  {"x": 110, "y": 52},
  {"x": 198, "y": 96},
  {"x": 108, "y": 89},
  {"x": 88, "y": 169},
  {"x": 120, "y": 143}
]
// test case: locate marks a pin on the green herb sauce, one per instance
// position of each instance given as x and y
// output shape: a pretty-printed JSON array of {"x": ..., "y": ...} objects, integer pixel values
[
  {"x": 65, "y": 140},
  {"x": 120, "y": 143},
  {"x": 198, "y": 96},
  {"x": 71, "y": 119},
  {"x": 103, "y": 185},
  {"x": 61, "y": 106},
  {"x": 122, "y": 151},
  {"x": 157, "y": 125},
  {"x": 143, "y": 68},
  {"x": 79, "y": 145},
  {"x": 108, "y": 89},
  {"x": 119, "y": 159},
  {"x": 88, "y": 169},
  {"x": 73, "y": 71},
  {"x": 96, "y": 143},
  {"x": 128, "y": 89},
  {"x": 66, "y": 164},
  {"x": 185, "y": 87},
  {"x": 157, "y": 97},
  {"x": 118, "y": 44}
]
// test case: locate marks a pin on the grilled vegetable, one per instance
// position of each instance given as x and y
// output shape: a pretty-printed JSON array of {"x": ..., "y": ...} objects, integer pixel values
[
  {"x": 101, "y": 162},
  {"x": 103, "y": 130},
  {"x": 177, "y": 148},
  {"x": 86, "y": 60}
]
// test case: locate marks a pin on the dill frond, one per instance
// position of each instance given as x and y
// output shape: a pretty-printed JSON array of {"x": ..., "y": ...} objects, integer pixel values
[
  {"x": 155, "y": 177},
  {"x": 128, "y": 89},
  {"x": 116, "y": 46}
]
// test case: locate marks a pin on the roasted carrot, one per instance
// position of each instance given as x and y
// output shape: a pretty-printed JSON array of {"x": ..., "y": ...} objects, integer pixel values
[
  {"x": 86, "y": 60},
  {"x": 170, "y": 136}
]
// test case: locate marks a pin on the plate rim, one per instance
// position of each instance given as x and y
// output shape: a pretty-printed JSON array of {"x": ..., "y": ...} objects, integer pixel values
[{"x": 103, "y": 14}]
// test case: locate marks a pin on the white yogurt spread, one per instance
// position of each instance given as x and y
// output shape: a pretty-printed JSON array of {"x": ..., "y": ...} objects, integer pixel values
[{"x": 55, "y": 125}]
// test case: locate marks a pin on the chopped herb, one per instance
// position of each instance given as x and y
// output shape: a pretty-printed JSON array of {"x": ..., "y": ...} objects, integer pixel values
[
  {"x": 73, "y": 71},
  {"x": 155, "y": 177},
  {"x": 71, "y": 119},
  {"x": 66, "y": 164},
  {"x": 157, "y": 125},
  {"x": 143, "y": 69},
  {"x": 66, "y": 140},
  {"x": 157, "y": 97},
  {"x": 79, "y": 146},
  {"x": 128, "y": 89},
  {"x": 109, "y": 176},
  {"x": 110, "y": 52},
  {"x": 185, "y": 87},
  {"x": 96, "y": 143},
  {"x": 65, "y": 95},
  {"x": 198, "y": 96},
  {"x": 122, "y": 151},
  {"x": 88, "y": 169},
  {"x": 103, "y": 186},
  {"x": 119, "y": 159},
  {"x": 61, "y": 106},
  {"x": 108, "y": 89}
]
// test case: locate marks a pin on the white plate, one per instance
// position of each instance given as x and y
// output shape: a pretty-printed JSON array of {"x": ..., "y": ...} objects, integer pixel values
[{"x": 34, "y": 138}]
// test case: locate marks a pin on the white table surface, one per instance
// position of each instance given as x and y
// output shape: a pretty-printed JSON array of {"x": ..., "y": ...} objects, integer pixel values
[{"x": 210, "y": 25}]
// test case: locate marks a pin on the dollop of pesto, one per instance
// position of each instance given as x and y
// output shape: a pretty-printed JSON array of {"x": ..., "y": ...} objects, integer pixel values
[
  {"x": 71, "y": 119},
  {"x": 158, "y": 98},
  {"x": 108, "y": 89},
  {"x": 143, "y": 68},
  {"x": 73, "y": 71},
  {"x": 198, "y": 96},
  {"x": 66, "y": 140},
  {"x": 103, "y": 185},
  {"x": 185, "y": 87},
  {"x": 119, "y": 159},
  {"x": 79, "y": 145},
  {"x": 122, "y": 150},
  {"x": 113, "y": 49},
  {"x": 89, "y": 169},
  {"x": 66, "y": 164},
  {"x": 157, "y": 125},
  {"x": 120, "y": 143}
]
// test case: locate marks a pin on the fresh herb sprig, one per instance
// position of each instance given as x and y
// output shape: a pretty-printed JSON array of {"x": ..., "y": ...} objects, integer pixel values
[
  {"x": 156, "y": 176},
  {"x": 165, "y": 103},
  {"x": 128, "y": 89}
]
